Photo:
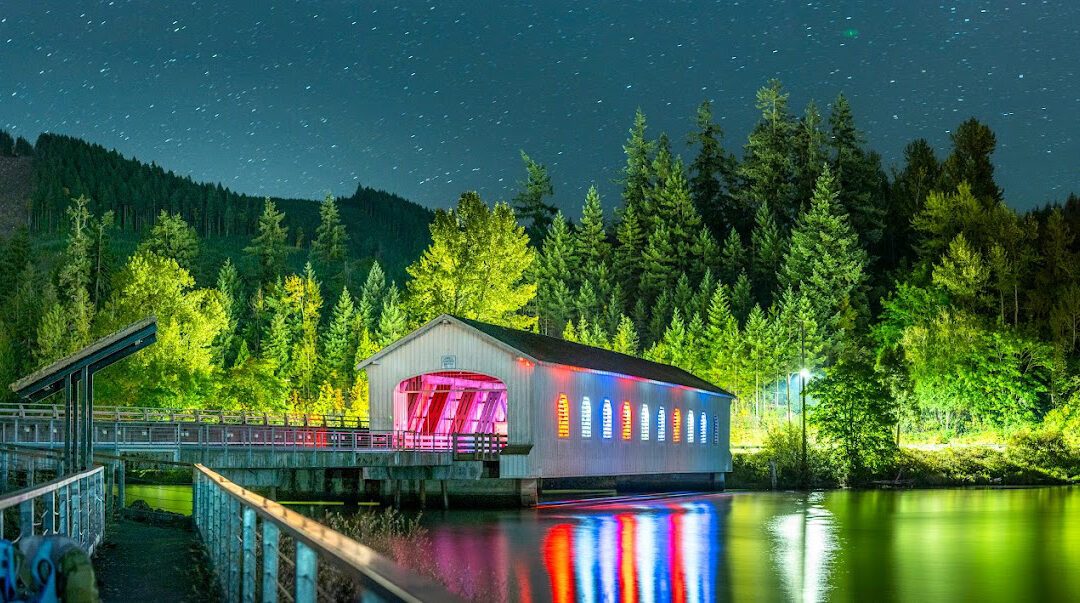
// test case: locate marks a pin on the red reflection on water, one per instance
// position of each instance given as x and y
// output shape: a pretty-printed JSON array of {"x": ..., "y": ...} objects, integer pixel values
[
  {"x": 559, "y": 561},
  {"x": 627, "y": 575},
  {"x": 675, "y": 558}
]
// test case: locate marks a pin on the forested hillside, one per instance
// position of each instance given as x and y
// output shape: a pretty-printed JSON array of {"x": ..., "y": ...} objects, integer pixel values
[{"x": 383, "y": 225}]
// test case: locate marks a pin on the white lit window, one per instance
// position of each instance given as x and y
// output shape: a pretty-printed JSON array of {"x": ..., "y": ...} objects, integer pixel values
[
  {"x": 607, "y": 419},
  {"x": 586, "y": 418},
  {"x": 704, "y": 423},
  {"x": 690, "y": 427},
  {"x": 645, "y": 422},
  {"x": 661, "y": 425}
]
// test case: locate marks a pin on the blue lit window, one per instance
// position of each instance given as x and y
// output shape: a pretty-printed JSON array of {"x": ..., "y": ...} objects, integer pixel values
[
  {"x": 608, "y": 419},
  {"x": 586, "y": 418},
  {"x": 645, "y": 422},
  {"x": 661, "y": 425}
]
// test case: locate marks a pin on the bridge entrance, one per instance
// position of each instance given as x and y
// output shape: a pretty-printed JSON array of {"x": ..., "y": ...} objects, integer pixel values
[{"x": 450, "y": 402}]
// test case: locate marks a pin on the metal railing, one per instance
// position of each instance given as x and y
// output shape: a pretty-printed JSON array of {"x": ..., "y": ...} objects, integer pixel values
[
  {"x": 259, "y": 551},
  {"x": 71, "y": 505},
  {"x": 151, "y": 435},
  {"x": 15, "y": 410}
]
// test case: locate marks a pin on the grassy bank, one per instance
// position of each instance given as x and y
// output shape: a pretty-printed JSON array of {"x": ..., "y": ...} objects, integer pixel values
[{"x": 1028, "y": 458}]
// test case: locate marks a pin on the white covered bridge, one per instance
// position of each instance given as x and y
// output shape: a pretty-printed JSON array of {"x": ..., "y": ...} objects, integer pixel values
[{"x": 558, "y": 409}]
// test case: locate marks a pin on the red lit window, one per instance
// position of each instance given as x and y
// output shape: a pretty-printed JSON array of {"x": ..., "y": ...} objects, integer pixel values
[
  {"x": 562, "y": 412},
  {"x": 626, "y": 427},
  {"x": 676, "y": 425}
]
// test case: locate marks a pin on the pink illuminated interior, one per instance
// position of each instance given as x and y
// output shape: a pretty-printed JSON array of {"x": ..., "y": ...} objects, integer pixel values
[{"x": 452, "y": 402}]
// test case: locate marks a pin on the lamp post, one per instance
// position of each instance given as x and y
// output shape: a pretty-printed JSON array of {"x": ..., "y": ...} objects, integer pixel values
[{"x": 803, "y": 374}]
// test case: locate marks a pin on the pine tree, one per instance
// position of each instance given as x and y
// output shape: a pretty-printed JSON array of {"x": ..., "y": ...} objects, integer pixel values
[
  {"x": 826, "y": 264},
  {"x": 52, "y": 336},
  {"x": 590, "y": 239},
  {"x": 637, "y": 175},
  {"x": 371, "y": 298},
  {"x": 171, "y": 237},
  {"x": 555, "y": 277},
  {"x": 810, "y": 155},
  {"x": 630, "y": 239},
  {"x": 303, "y": 296},
  {"x": 393, "y": 323},
  {"x": 74, "y": 276},
  {"x": 722, "y": 349},
  {"x": 712, "y": 172},
  {"x": 973, "y": 144},
  {"x": 658, "y": 264},
  {"x": 530, "y": 203},
  {"x": 625, "y": 340},
  {"x": 859, "y": 180},
  {"x": 270, "y": 247},
  {"x": 329, "y": 246},
  {"x": 587, "y": 304},
  {"x": 768, "y": 247},
  {"x": 732, "y": 257},
  {"x": 742, "y": 297},
  {"x": 337, "y": 343},
  {"x": 767, "y": 169},
  {"x": 232, "y": 299},
  {"x": 705, "y": 253}
]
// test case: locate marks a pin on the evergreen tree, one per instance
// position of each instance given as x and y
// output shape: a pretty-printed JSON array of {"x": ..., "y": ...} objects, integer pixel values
[
  {"x": 590, "y": 240},
  {"x": 767, "y": 168},
  {"x": 393, "y": 323},
  {"x": 101, "y": 256},
  {"x": 171, "y": 237},
  {"x": 555, "y": 278},
  {"x": 475, "y": 266},
  {"x": 74, "y": 277},
  {"x": 231, "y": 288},
  {"x": 859, "y": 180},
  {"x": 371, "y": 298},
  {"x": 658, "y": 264},
  {"x": 712, "y": 172},
  {"x": 270, "y": 247},
  {"x": 742, "y": 297},
  {"x": 723, "y": 342},
  {"x": 973, "y": 144},
  {"x": 7, "y": 144},
  {"x": 625, "y": 340},
  {"x": 303, "y": 297},
  {"x": 768, "y": 246},
  {"x": 732, "y": 257},
  {"x": 337, "y": 344},
  {"x": 23, "y": 148},
  {"x": 826, "y": 264},
  {"x": 810, "y": 154},
  {"x": 630, "y": 239},
  {"x": 637, "y": 175},
  {"x": 330, "y": 242},
  {"x": 530, "y": 203}
]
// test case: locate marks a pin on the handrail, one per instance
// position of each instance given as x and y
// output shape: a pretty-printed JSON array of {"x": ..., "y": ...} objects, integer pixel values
[
  {"x": 71, "y": 505},
  {"x": 12, "y": 499},
  {"x": 359, "y": 562},
  {"x": 214, "y": 416}
]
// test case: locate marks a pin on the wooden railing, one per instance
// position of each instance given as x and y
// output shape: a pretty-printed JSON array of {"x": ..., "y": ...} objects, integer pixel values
[
  {"x": 13, "y": 410},
  {"x": 164, "y": 435},
  {"x": 247, "y": 537},
  {"x": 71, "y": 505}
]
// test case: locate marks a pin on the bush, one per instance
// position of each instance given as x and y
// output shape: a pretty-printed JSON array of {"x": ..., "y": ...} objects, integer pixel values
[
  {"x": 1045, "y": 449},
  {"x": 783, "y": 444}
]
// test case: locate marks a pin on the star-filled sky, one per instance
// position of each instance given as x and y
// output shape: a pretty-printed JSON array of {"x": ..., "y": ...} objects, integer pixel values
[{"x": 427, "y": 99}]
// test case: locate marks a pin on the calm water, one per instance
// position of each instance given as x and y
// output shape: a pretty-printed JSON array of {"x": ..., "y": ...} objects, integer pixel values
[{"x": 923, "y": 545}]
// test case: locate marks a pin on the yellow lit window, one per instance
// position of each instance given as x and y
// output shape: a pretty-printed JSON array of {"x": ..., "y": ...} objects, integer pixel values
[
  {"x": 562, "y": 413},
  {"x": 626, "y": 420}
]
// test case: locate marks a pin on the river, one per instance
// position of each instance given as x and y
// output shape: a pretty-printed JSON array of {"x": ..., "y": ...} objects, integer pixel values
[{"x": 914, "y": 545}]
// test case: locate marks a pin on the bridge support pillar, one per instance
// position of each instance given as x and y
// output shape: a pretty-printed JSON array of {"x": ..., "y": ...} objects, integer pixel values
[
  {"x": 445, "y": 497},
  {"x": 423, "y": 494},
  {"x": 397, "y": 494},
  {"x": 527, "y": 489}
]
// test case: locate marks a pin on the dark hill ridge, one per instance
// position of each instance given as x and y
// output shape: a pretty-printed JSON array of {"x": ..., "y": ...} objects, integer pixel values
[{"x": 381, "y": 225}]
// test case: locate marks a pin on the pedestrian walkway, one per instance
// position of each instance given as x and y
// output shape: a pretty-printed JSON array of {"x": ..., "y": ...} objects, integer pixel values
[{"x": 144, "y": 562}]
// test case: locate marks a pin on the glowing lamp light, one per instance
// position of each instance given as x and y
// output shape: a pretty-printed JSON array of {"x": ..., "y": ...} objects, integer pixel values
[{"x": 805, "y": 373}]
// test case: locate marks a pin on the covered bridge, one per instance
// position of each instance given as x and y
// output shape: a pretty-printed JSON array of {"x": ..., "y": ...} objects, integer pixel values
[{"x": 565, "y": 410}]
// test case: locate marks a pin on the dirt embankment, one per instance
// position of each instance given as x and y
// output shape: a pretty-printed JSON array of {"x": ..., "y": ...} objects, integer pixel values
[{"x": 16, "y": 187}]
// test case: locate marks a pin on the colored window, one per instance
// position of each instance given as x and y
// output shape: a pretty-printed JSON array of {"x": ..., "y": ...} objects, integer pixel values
[
  {"x": 626, "y": 427},
  {"x": 608, "y": 419},
  {"x": 704, "y": 423},
  {"x": 690, "y": 427},
  {"x": 586, "y": 418},
  {"x": 676, "y": 425},
  {"x": 644, "y": 422},
  {"x": 562, "y": 414},
  {"x": 661, "y": 425}
]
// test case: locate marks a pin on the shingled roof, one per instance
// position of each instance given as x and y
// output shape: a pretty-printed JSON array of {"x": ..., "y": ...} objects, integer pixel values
[{"x": 559, "y": 351}]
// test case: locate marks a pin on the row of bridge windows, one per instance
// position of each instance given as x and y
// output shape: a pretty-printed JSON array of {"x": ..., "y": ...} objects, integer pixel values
[{"x": 696, "y": 428}]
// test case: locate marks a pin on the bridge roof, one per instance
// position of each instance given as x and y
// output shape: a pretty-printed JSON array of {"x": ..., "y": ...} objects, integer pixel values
[
  {"x": 48, "y": 380},
  {"x": 551, "y": 350}
]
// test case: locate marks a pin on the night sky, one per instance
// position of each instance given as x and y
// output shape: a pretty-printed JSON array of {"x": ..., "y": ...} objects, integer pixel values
[{"x": 429, "y": 99}]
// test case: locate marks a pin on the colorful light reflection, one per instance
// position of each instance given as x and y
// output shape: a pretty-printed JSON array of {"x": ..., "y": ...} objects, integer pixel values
[{"x": 646, "y": 553}]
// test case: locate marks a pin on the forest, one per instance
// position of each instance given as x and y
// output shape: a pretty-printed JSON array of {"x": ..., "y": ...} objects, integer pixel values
[{"x": 918, "y": 303}]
